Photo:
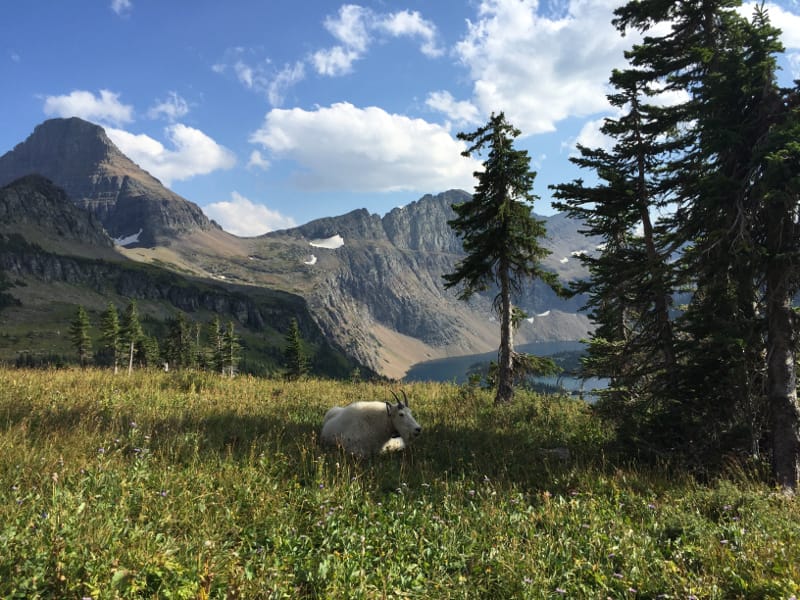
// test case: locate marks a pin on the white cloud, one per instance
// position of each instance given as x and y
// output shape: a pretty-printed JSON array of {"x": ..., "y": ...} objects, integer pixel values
[
  {"x": 285, "y": 79},
  {"x": 411, "y": 24},
  {"x": 121, "y": 7},
  {"x": 334, "y": 61},
  {"x": 105, "y": 108},
  {"x": 461, "y": 112},
  {"x": 259, "y": 74},
  {"x": 243, "y": 217},
  {"x": 350, "y": 27},
  {"x": 257, "y": 161},
  {"x": 591, "y": 137},
  {"x": 366, "y": 150},
  {"x": 193, "y": 153},
  {"x": 541, "y": 70},
  {"x": 172, "y": 109},
  {"x": 356, "y": 27}
]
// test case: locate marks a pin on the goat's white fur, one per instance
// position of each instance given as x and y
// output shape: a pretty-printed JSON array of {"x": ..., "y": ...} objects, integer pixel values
[{"x": 366, "y": 428}]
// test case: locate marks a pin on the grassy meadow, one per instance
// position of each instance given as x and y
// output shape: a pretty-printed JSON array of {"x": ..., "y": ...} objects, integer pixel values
[{"x": 188, "y": 485}]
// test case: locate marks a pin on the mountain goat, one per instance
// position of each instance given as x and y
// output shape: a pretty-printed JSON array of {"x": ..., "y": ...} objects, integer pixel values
[{"x": 366, "y": 428}]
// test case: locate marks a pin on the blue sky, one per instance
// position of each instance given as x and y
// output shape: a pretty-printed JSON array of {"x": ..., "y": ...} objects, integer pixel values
[{"x": 271, "y": 113}]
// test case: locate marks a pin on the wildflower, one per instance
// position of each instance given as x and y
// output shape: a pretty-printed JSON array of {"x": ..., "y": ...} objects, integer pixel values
[
  {"x": 527, "y": 580},
  {"x": 651, "y": 506},
  {"x": 471, "y": 492},
  {"x": 727, "y": 507},
  {"x": 101, "y": 450},
  {"x": 163, "y": 493},
  {"x": 133, "y": 424},
  {"x": 617, "y": 575},
  {"x": 561, "y": 591},
  {"x": 632, "y": 590},
  {"x": 723, "y": 542}
]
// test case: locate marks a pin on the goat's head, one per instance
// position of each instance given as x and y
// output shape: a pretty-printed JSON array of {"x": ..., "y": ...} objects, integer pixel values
[{"x": 402, "y": 419}]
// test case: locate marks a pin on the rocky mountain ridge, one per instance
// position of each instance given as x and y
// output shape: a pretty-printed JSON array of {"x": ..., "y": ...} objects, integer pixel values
[
  {"x": 79, "y": 157},
  {"x": 372, "y": 284}
]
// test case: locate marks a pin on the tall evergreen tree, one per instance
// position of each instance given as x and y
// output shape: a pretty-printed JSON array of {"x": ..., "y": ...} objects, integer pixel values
[
  {"x": 233, "y": 348},
  {"x": 178, "y": 344},
  {"x": 111, "y": 334},
  {"x": 295, "y": 358},
  {"x": 79, "y": 334},
  {"x": 727, "y": 173},
  {"x": 500, "y": 234},
  {"x": 631, "y": 285},
  {"x": 217, "y": 346},
  {"x": 131, "y": 332}
]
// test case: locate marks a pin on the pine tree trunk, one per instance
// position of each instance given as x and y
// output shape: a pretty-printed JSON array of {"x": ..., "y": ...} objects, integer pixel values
[
  {"x": 781, "y": 369},
  {"x": 505, "y": 376},
  {"x": 130, "y": 360}
]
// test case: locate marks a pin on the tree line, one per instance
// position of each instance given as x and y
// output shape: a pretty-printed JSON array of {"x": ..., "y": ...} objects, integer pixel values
[
  {"x": 695, "y": 203},
  {"x": 123, "y": 343}
]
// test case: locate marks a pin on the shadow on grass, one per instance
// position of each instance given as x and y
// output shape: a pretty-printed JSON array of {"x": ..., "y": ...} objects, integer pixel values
[{"x": 479, "y": 452}]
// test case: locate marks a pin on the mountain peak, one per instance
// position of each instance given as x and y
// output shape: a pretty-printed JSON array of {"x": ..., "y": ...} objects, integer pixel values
[{"x": 79, "y": 157}]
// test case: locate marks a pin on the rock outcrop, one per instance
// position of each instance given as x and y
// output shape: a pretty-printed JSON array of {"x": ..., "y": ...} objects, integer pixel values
[
  {"x": 33, "y": 202},
  {"x": 79, "y": 157}
]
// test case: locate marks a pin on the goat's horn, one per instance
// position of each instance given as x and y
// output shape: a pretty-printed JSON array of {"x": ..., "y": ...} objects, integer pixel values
[
  {"x": 395, "y": 397},
  {"x": 404, "y": 396}
]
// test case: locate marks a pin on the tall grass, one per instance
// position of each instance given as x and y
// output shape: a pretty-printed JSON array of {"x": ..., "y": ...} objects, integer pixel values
[{"x": 187, "y": 485}]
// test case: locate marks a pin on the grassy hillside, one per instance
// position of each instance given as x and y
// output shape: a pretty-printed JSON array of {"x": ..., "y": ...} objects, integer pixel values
[{"x": 184, "y": 485}]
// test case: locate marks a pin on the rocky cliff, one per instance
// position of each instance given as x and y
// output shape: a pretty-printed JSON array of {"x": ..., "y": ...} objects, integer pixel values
[
  {"x": 79, "y": 157},
  {"x": 34, "y": 204},
  {"x": 378, "y": 291}
]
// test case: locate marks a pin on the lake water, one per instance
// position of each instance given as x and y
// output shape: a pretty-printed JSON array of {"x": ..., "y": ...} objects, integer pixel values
[{"x": 456, "y": 369}]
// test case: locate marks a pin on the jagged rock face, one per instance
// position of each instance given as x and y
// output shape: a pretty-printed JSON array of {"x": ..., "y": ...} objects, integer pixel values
[
  {"x": 33, "y": 201},
  {"x": 388, "y": 277},
  {"x": 78, "y": 157}
]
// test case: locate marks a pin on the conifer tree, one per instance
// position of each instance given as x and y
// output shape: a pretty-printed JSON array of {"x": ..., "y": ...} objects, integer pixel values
[
  {"x": 630, "y": 288},
  {"x": 79, "y": 334},
  {"x": 111, "y": 334},
  {"x": 131, "y": 333},
  {"x": 500, "y": 234},
  {"x": 232, "y": 348},
  {"x": 726, "y": 170},
  {"x": 178, "y": 344},
  {"x": 217, "y": 346},
  {"x": 295, "y": 358}
]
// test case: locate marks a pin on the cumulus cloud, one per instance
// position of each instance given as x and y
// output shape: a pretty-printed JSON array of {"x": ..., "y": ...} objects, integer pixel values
[
  {"x": 460, "y": 112},
  {"x": 539, "y": 69},
  {"x": 344, "y": 147},
  {"x": 243, "y": 217},
  {"x": 105, "y": 108},
  {"x": 411, "y": 24},
  {"x": 172, "y": 109},
  {"x": 356, "y": 27},
  {"x": 257, "y": 161},
  {"x": 192, "y": 153},
  {"x": 590, "y": 136}
]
